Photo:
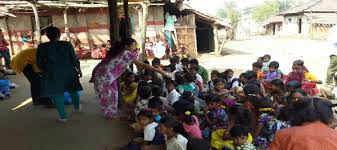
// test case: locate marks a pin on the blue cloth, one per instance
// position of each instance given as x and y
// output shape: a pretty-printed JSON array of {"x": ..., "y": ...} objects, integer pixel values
[
  {"x": 168, "y": 37},
  {"x": 67, "y": 98},
  {"x": 158, "y": 139},
  {"x": 5, "y": 86}
]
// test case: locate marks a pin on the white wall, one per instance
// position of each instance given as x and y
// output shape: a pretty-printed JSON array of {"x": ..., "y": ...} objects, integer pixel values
[{"x": 291, "y": 25}]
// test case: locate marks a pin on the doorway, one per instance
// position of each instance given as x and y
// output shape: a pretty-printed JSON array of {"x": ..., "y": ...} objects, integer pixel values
[
  {"x": 274, "y": 28},
  {"x": 299, "y": 26},
  {"x": 205, "y": 37}
]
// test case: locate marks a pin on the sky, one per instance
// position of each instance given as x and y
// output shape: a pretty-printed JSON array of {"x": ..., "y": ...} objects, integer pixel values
[{"x": 211, "y": 6}]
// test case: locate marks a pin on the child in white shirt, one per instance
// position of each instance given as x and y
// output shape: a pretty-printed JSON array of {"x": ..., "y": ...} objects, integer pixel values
[
  {"x": 168, "y": 126},
  {"x": 172, "y": 95}
]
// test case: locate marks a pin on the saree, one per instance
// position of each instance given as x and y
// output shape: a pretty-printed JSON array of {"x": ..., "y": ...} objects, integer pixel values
[{"x": 104, "y": 77}]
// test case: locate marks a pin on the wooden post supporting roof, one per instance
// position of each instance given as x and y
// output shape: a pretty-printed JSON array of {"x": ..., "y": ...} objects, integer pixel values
[
  {"x": 114, "y": 22},
  {"x": 10, "y": 37},
  {"x": 216, "y": 40},
  {"x": 145, "y": 10},
  {"x": 127, "y": 19},
  {"x": 37, "y": 22},
  {"x": 66, "y": 25},
  {"x": 36, "y": 15}
]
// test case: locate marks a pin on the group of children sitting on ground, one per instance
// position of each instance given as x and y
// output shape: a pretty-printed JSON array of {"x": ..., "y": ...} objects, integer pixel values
[
  {"x": 159, "y": 48},
  {"x": 96, "y": 52},
  {"x": 223, "y": 113}
]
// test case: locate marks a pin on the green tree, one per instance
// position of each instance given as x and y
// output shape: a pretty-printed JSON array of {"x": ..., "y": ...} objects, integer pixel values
[
  {"x": 273, "y": 7},
  {"x": 232, "y": 14},
  {"x": 265, "y": 10},
  {"x": 229, "y": 12}
]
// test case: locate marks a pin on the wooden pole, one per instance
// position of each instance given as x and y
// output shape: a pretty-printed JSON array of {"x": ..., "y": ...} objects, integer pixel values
[
  {"x": 114, "y": 36},
  {"x": 37, "y": 22},
  {"x": 87, "y": 31},
  {"x": 10, "y": 37},
  {"x": 145, "y": 10},
  {"x": 127, "y": 18},
  {"x": 114, "y": 21},
  {"x": 216, "y": 41},
  {"x": 66, "y": 25}
]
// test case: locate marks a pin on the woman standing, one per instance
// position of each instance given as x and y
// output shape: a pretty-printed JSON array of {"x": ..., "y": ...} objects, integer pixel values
[
  {"x": 25, "y": 62},
  {"x": 106, "y": 73},
  {"x": 60, "y": 71}
]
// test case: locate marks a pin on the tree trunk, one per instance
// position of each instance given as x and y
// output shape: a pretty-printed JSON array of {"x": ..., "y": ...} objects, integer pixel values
[
  {"x": 10, "y": 37},
  {"x": 127, "y": 34},
  {"x": 144, "y": 24},
  {"x": 114, "y": 22},
  {"x": 66, "y": 25}
]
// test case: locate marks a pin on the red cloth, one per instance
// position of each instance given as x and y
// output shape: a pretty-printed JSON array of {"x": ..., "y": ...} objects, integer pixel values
[
  {"x": 104, "y": 52},
  {"x": 3, "y": 45},
  {"x": 296, "y": 74},
  {"x": 310, "y": 136},
  {"x": 310, "y": 88}
]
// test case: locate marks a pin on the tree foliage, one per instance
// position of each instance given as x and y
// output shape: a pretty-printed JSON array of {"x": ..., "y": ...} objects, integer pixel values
[
  {"x": 272, "y": 7},
  {"x": 230, "y": 12},
  {"x": 265, "y": 10}
]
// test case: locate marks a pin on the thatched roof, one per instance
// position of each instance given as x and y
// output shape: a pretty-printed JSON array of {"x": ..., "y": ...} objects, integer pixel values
[
  {"x": 215, "y": 20},
  {"x": 314, "y": 6},
  {"x": 322, "y": 18},
  {"x": 274, "y": 19}
]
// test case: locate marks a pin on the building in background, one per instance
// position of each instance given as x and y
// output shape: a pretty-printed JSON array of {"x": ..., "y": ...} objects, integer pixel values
[{"x": 313, "y": 19}]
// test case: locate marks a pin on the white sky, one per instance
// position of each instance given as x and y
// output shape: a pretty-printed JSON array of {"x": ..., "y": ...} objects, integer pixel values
[{"x": 211, "y": 6}]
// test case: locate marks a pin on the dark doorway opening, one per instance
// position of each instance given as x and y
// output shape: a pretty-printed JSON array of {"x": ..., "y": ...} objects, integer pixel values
[
  {"x": 274, "y": 28},
  {"x": 299, "y": 26},
  {"x": 205, "y": 37}
]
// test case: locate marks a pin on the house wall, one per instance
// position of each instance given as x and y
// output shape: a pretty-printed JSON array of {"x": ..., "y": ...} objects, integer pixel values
[
  {"x": 291, "y": 25},
  {"x": 270, "y": 29},
  {"x": 89, "y": 26}
]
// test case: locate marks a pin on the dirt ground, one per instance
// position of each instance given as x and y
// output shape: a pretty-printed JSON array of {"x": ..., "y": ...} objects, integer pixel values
[{"x": 35, "y": 128}]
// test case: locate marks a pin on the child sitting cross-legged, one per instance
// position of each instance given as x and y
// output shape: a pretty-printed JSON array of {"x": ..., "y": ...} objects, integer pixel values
[
  {"x": 152, "y": 138},
  {"x": 214, "y": 75},
  {"x": 176, "y": 136},
  {"x": 240, "y": 139},
  {"x": 183, "y": 84},
  {"x": 129, "y": 90},
  {"x": 257, "y": 67},
  {"x": 215, "y": 117},
  {"x": 172, "y": 94},
  {"x": 268, "y": 124},
  {"x": 222, "y": 140},
  {"x": 184, "y": 113},
  {"x": 144, "y": 95},
  {"x": 273, "y": 71}
]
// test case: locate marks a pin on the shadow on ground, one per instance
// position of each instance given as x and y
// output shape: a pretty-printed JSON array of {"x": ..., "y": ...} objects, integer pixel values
[
  {"x": 227, "y": 51},
  {"x": 35, "y": 127}
]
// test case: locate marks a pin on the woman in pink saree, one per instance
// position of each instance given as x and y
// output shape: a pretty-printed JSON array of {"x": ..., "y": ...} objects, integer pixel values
[{"x": 106, "y": 73}]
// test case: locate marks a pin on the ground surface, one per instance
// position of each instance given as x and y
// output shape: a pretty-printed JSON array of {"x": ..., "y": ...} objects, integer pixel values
[{"x": 35, "y": 128}]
